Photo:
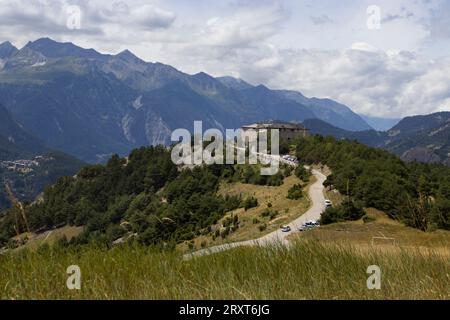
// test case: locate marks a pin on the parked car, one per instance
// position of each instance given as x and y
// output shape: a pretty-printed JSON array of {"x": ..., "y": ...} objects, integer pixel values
[
  {"x": 309, "y": 225},
  {"x": 286, "y": 229}
]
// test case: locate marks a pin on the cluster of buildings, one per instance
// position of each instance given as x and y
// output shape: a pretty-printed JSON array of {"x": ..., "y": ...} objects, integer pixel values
[{"x": 23, "y": 165}]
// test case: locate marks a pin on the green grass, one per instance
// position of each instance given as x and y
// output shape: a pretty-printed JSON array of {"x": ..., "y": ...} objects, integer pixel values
[{"x": 309, "y": 270}]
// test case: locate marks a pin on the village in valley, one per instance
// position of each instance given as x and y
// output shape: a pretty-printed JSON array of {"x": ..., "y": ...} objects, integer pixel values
[{"x": 24, "y": 166}]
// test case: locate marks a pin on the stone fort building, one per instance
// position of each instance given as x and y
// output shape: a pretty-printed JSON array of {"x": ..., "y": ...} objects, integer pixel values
[{"x": 288, "y": 130}]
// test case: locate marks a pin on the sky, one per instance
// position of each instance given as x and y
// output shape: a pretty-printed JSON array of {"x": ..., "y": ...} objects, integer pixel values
[{"x": 384, "y": 58}]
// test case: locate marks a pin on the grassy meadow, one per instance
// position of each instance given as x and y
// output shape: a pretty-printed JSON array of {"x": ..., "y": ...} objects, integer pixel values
[{"x": 307, "y": 270}]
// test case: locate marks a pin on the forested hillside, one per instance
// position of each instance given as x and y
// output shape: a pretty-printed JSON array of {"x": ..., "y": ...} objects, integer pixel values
[
  {"x": 415, "y": 193},
  {"x": 144, "y": 195},
  {"x": 148, "y": 197}
]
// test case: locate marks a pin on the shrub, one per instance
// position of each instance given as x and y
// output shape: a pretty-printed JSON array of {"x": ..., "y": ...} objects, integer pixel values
[
  {"x": 265, "y": 213},
  {"x": 295, "y": 192},
  {"x": 287, "y": 170},
  {"x": 225, "y": 232},
  {"x": 269, "y": 213},
  {"x": 347, "y": 211},
  {"x": 273, "y": 214},
  {"x": 250, "y": 202},
  {"x": 302, "y": 173}
]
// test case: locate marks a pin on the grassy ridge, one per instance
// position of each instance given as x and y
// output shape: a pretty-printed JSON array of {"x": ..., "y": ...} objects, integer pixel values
[{"x": 309, "y": 270}]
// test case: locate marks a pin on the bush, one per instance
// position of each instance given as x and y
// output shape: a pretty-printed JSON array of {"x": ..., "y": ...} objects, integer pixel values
[
  {"x": 228, "y": 221},
  {"x": 252, "y": 175},
  {"x": 225, "y": 232},
  {"x": 269, "y": 213},
  {"x": 265, "y": 213},
  {"x": 273, "y": 214},
  {"x": 287, "y": 170},
  {"x": 250, "y": 202},
  {"x": 347, "y": 211},
  {"x": 302, "y": 173},
  {"x": 262, "y": 227},
  {"x": 295, "y": 192}
]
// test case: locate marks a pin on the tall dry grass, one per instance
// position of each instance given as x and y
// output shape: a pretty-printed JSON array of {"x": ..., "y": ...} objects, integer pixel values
[{"x": 308, "y": 270}]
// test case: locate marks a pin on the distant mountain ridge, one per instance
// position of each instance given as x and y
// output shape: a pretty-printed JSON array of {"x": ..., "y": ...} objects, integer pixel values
[
  {"x": 330, "y": 111},
  {"x": 92, "y": 105},
  {"x": 417, "y": 138},
  {"x": 381, "y": 124},
  {"x": 7, "y": 50}
]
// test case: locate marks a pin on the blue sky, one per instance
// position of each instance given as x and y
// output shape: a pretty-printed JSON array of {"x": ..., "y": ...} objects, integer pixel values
[{"x": 322, "y": 48}]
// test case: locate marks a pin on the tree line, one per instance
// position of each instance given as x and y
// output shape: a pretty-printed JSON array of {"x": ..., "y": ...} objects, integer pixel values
[
  {"x": 147, "y": 196},
  {"x": 415, "y": 193}
]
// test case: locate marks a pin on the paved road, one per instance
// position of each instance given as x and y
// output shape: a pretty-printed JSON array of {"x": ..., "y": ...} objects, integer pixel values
[{"x": 315, "y": 194}]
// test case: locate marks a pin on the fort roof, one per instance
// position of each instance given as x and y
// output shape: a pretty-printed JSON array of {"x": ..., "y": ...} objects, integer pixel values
[{"x": 275, "y": 124}]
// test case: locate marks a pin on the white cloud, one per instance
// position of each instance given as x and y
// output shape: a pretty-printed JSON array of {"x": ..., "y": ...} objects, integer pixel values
[
  {"x": 369, "y": 81},
  {"x": 430, "y": 91},
  {"x": 244, "y": 27},
  {"x": 145, "y": 16},
  {"x": 319, "y": 20},
  {"x": 322, "y": 48}
]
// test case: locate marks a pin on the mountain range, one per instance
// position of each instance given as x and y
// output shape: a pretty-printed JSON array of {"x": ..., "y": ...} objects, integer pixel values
[
  {"x": 92, "y": 105},
  {"x": 418, "y": 138},
  {"x": 60, "y": 103}
]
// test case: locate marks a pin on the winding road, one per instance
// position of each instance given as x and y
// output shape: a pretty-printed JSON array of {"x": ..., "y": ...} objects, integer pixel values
[{"x": 315, "y": 193}]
